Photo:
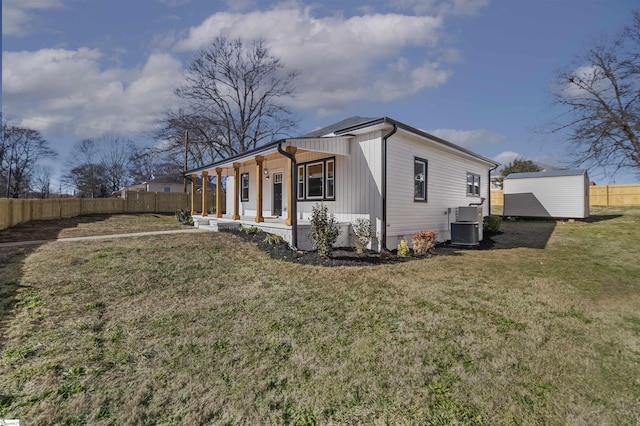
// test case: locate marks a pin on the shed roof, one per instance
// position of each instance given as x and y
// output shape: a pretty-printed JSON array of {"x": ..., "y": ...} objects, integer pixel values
[{"x": 550, "y": 173}]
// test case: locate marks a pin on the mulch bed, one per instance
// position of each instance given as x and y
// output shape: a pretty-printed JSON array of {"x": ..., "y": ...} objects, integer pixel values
[{"x": 345, "y": 256}]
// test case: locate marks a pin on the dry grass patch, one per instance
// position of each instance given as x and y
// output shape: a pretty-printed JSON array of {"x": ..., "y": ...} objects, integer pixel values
[
  {"x": 83, "y": 226},
  {"x": 205, "y": 328}
]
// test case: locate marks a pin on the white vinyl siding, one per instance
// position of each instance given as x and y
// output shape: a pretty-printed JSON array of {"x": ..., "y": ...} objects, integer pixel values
[
  {"x": 445, "y": 187},
  {"x": 357, "y": 184},
  {"x": 561, "y": 196}
]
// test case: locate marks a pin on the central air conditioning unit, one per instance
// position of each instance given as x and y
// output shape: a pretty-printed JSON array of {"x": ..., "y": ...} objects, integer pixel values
[{"x": 467, "y": 231}]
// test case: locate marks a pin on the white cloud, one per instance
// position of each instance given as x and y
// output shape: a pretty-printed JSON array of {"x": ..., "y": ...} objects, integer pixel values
[
  {"x": 506, "y": 157},
  {"x": 238, "y": 5},
  {"x": 53, "y": 87},
  {"x": 468, "y": 138},
  {"x": 174, "y": 3},
  {"x": 447, "y": 7},
  {"x": 18, "y": 15},
  {"x": 590, "y": 76},
  {"x": 340, "y": 59}
]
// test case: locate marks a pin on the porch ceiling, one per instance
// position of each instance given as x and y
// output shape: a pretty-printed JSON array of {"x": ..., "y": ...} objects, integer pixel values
[{"x": 331, "y": 145}]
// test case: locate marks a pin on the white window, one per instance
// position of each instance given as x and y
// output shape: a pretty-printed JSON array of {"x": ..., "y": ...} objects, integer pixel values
[
  {"x": 316, "y": 180},
  {"x": 419, "y": 179},
  {"x": 244, "y": 178},
  {"x": 330, "y": 191},
  {"x": 301, "y": 182},
  {"x": 167, "y": 189},
  {"x": 473, "y": 184}
]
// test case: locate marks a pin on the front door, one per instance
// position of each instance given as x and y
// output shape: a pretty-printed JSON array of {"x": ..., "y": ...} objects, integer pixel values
[{"x": 277, "y": 194}]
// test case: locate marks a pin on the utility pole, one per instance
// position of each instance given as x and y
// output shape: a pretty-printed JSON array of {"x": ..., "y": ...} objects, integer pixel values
[
  {"x": 9, "y": 177},
  {"x": 184, "y": 169}
]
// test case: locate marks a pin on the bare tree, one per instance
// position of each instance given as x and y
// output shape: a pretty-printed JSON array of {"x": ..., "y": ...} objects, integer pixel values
[
  {"x": 601, "y": 98},
  {"x": 41, "y": 181},
  {"x": 148, "y": 162},
  {"x": 20, "y": 151},
  {"x": 114, "y": 155},
  {"x": 98, "y": 167},
  {"x": 233, "y": 101}
]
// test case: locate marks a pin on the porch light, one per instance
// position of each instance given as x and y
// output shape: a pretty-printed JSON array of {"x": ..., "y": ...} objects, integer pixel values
[{"x": 266, "y": 173}]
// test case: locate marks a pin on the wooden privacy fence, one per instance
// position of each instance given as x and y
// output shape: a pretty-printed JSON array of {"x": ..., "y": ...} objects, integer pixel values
[
  {"x": 14, "y": 211},
  {"x": 606, "y": 195}
]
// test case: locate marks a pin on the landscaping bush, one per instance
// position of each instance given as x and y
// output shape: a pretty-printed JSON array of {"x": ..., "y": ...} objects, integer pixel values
[
  {"x": 251, "y": 230},
  {"x": 424, "y": 241},
  {"x": 184, "y": 216},
  {"x": 362, "y": 231},
  {"x": 492, "y": 223},
  {"x": 272, "y": 239},
  {"x": 403, "y": 248},
  {"x": 324, "y": 229}
]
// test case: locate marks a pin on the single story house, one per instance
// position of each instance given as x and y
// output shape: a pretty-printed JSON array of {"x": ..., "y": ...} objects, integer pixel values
[
  {"x": 166, "y": 183},
  {"x": 400, "y": 178}
]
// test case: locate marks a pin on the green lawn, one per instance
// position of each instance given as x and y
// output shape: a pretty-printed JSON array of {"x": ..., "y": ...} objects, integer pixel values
[{"x": 205, "y": 328}]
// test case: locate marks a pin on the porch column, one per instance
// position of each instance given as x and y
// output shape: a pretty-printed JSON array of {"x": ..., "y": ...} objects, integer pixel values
[
  {"x": 193, "y": 194},
  {"x": 219, "y": 192},
  {"x": 236, "y": 192},
  {"x": 205, "y": 180},
  {"x": 291, "y": 150},
  {"x": 259, "y": 160}
]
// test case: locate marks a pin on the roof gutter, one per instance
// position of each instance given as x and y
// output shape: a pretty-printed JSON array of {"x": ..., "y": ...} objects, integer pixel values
[
  {"x": 293, "y": 181},
  {"x": 489, "y": 185},
  {"x": 384, "y": 185}
]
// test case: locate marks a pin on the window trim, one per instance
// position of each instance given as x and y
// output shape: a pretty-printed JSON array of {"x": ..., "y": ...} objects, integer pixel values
[
  {"x": 303, "y": 184},
  {"x": 425, "y": 179},
  {"x": 242, "y": 187},
  {"x": 472, "y": 178}
]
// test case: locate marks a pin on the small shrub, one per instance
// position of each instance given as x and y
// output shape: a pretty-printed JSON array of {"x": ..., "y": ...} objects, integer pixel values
[
  {"x": 362, "y": 231},
  {"x": 273, "y": 239},
  {"x": 403, "y": 248},
  {"x": 492, "y": 223},
  {"x": 385, "y": 254},
  {"x": 424, "y": 241},
  {"x": 324, "y": 229},
  {"x": 184, "y": 216},
  {"x": 251, "y": 230}
]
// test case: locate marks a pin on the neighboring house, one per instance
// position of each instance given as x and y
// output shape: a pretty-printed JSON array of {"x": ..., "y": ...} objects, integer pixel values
[
  {"x": 167, "y": 183},
  {"x": 400, "y": 178}
]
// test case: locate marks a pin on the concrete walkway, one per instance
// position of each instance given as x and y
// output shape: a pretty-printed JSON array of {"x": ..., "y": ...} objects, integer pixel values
[{"x": 101, "y": 237}]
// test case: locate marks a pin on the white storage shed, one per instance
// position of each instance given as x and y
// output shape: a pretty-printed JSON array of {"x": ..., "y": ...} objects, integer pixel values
[{"x": 553, "y": 194}]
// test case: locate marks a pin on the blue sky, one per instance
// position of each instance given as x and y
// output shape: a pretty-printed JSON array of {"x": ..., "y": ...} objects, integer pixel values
[{"x": 476, "y": 72}]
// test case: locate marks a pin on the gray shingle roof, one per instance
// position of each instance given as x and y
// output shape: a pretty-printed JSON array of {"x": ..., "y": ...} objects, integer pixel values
[
  {"x": 551, "y": 173},
  {"x": 344, "y": 124}
]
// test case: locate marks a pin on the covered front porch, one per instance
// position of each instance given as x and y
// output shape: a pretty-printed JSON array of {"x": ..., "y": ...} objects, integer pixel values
[{"x": 273, "y": 187}]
